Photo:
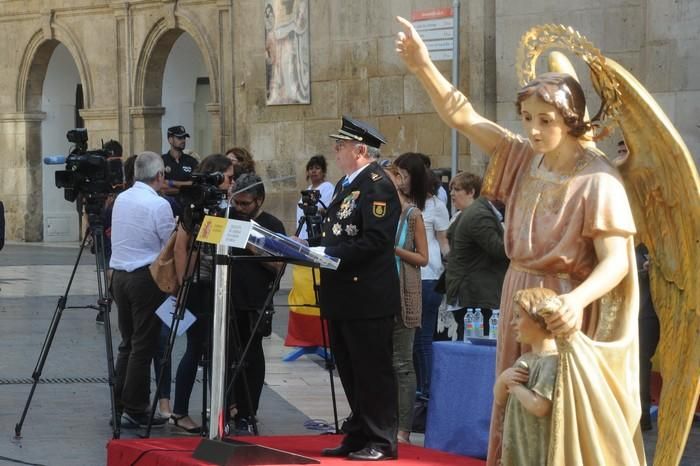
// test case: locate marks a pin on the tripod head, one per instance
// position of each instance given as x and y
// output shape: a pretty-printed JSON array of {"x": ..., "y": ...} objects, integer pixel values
[{"x": 94, "y": 205}]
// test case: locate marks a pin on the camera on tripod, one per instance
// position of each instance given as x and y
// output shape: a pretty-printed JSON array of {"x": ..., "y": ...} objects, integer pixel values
[
  {"x": 94, "y": 173},
  {"x": 203, "y": 196},
  {"x": 314, "y": 220}
]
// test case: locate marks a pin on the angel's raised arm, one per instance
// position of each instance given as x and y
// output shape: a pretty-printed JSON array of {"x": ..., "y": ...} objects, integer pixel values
[{"x": 453, "y": 107}]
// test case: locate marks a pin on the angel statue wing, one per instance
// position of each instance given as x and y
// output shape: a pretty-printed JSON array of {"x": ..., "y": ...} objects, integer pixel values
[
  {"x": 662, "y": 184},
  {"x": 663, "y": 188}
]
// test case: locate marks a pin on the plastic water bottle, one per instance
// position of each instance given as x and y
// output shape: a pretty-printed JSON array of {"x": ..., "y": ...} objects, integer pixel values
[
  {"x": 493, "y": 324},
  {"x": 468, "y": 324},
  {"x": 478, "y": 323}
]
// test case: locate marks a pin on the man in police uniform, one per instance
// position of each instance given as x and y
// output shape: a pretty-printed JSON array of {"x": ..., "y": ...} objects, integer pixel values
[
  {"x": 361, "y": 298},
  {"x": 178, "y": 165}
]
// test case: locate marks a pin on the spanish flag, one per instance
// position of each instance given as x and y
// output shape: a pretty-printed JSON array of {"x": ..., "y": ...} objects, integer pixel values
[{"x": 304, "y": 326}]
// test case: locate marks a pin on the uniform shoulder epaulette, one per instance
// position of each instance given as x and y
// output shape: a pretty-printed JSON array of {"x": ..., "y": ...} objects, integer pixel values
[{"x": 375, "y": 176}]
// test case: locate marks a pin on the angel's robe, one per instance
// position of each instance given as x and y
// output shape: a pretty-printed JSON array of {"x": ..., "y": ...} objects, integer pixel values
[{"x": 550, "y": 224}]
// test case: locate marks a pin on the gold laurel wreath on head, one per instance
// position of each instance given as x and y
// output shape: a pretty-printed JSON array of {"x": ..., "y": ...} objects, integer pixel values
[{"x": 550, "y": 36}]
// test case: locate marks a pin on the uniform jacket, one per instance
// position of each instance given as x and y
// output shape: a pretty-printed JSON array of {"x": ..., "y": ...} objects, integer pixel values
[
  {"x": 477, "y": 261},
  {"x": 359, "y": 229}
]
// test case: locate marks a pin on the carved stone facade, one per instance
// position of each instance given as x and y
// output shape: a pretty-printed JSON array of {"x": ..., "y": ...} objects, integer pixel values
[{"x": 120, "y": 49}]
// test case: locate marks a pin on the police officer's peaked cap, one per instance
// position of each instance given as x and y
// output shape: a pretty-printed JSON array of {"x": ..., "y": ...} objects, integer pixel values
[
  {"x": 178, "y": 131},
  {"x": 356, "y": 130}
]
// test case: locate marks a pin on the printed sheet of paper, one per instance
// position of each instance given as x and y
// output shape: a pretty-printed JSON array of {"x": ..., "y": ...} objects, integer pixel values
[
  {"x": 217, "y": 230},
  {"x": 166, "y": 311}
]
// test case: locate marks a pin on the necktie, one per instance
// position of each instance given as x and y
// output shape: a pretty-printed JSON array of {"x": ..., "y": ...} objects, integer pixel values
[{"x": 345, "y": 183}]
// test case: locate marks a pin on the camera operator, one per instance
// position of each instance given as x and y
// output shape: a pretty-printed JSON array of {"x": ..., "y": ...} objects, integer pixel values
[
  {"x": 252, "y": 282},
  {"x": 142, "y": 222},
  {"x": 200, "y": 299},
  {"x": 316, "y": 175}
]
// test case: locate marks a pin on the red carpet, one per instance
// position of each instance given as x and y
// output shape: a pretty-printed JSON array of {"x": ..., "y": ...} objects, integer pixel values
[{"x": 178, "y": 452}]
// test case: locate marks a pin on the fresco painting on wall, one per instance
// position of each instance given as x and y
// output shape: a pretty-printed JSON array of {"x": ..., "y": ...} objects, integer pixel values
[{"x": 287, "y": 52}]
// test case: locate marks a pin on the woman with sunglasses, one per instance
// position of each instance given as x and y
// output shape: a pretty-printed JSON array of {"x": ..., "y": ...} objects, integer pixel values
[{"x": 199, "y": 299}]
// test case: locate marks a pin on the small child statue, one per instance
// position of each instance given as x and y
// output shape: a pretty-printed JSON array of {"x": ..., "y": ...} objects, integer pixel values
[{"x": 527, "y": 388}]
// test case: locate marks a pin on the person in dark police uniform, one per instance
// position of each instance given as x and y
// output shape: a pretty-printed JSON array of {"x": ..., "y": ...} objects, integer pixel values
[
  {"x": 361, "y": 298},
  {"x": 178, "y": 165}
]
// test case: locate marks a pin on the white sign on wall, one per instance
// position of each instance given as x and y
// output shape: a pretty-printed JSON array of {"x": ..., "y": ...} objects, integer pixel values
[{"x": 436, "y": 29}]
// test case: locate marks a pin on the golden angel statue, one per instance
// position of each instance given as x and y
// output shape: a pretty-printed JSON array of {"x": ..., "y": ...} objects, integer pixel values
[{"x": 571, "y": 220}]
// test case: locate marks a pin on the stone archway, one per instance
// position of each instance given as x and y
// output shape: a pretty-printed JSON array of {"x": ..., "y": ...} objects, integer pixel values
[
  {"x": 28, "y": 216},
  {"x": 147, "y": 111}
]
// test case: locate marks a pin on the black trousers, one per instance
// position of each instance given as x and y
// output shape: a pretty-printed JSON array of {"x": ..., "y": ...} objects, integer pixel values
[
  {"x": 253, "y": 366},
  {"x": 363, "y": 351},
  {"x": 137, "y": 298}
]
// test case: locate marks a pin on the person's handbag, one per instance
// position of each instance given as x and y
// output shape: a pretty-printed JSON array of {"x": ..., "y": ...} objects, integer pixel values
[{"x": 163, "y": 268}]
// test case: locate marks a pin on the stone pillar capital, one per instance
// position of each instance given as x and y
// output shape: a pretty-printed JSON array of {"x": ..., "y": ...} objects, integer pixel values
[
  {"x": 146, "y": 111},
  {"x": 99, "y": 113},
  {"x": 23, "y": 116}
]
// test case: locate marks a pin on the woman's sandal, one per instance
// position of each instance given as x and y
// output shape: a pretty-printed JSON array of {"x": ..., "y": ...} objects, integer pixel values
[{"x": 175, "y": 420}]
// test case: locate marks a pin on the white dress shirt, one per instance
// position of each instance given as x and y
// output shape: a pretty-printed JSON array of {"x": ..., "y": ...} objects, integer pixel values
[
  {"x": 142, "y": 223},
  {"x": 351, "y": 177},
  {"x": 435, "y": 219}
]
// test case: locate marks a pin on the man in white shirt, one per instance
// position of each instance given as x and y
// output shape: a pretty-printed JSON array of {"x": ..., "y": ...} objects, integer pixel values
[{"x": 142, "y": 223}]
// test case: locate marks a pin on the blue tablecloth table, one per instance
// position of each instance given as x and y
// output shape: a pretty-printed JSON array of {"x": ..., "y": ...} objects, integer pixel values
[{"x": 459, "y": 411}]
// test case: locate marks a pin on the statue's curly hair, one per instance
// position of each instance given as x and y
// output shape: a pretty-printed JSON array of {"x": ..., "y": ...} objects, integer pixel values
[{"x": 562, "y": 91}]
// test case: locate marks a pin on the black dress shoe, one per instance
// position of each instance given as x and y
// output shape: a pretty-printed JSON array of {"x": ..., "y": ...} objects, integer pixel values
[
  {"x": 370, "y": 454},
  {"x": 340, "y": 451}
]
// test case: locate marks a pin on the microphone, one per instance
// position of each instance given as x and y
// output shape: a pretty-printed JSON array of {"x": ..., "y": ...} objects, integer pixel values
[{"x": 54, "y": 160}]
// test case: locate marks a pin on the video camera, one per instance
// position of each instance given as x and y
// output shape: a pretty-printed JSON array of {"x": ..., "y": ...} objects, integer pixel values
[
  {"x": 203, "y": 196},
  {"x": 93, "y": 173},
  {"x": 314, "y": 220}
]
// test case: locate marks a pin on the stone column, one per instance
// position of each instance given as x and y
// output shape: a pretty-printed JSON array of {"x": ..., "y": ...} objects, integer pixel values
[
  {"x": 102, "y": 125},
  {"x": 146, "y": 131},
  {"x": 20, "y": 174},
  {"x": 217, "y": 140}
]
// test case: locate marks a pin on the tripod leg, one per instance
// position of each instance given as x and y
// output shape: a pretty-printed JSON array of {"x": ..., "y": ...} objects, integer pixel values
[
  {"x": 46, "y": 346},
  {"x": 206, "y": 364},
  {"x": 105, "y": 304},
  {"x": 330, "y": 365}
]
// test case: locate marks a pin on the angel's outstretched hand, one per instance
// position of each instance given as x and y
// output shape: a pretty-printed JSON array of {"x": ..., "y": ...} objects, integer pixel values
[{"x": 411, "y": 47}]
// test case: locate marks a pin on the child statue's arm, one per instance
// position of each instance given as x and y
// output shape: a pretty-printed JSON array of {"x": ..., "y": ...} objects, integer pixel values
[{"x": 531, "y": 401}]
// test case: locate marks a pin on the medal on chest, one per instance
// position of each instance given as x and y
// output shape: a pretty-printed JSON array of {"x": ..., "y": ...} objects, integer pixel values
[{"x": 348, "y": 205}]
